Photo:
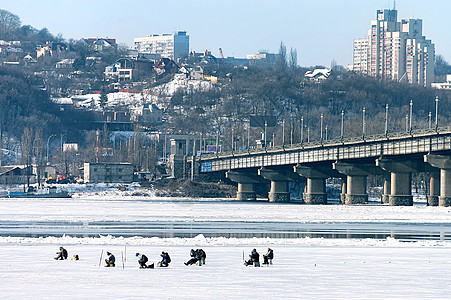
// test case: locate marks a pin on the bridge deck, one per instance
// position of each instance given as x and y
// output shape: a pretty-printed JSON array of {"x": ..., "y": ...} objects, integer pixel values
[{"x": 420, "y": 143}]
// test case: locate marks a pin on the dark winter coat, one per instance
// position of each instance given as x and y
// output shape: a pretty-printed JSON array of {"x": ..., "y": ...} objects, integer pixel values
[
  {"x": 143, "y": 258},
  {"x": 64, "y": 253},
  {"x": 111, "y": 259},
  {"x": 255, "y": 256},
  {"x": 166, "y": 259}
]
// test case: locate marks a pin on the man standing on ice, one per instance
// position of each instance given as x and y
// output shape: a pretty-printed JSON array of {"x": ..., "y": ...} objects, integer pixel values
[{"x": 110, "y": 261}]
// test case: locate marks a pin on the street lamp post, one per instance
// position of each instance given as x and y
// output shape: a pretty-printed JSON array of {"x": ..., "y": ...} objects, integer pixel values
[
  {"x": 410, "y": 116},
  {"x": 321, "y": 127},
  {"x": 217, "y": 140},
  {"x": 436, "y": 113},
  {"x": 233, "y": 141},
  {"x": 308, "y": 135},
  {"x": 302, "y": 129},
  {"x": 363, "y": 122},
  {"x": 283, "y": 133},
  {"x": 248, "y": 136},
  {"x": 430, "y": 120},
  {"x": 386, "y": 119},
  {"x": 266, "y": 125},
  {"x": 326, "y": 133},
  {"x": 342, "y": 125}
]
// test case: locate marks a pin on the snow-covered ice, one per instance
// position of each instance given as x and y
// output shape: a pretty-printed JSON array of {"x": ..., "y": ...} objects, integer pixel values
[{"x": 304, "y": 268}]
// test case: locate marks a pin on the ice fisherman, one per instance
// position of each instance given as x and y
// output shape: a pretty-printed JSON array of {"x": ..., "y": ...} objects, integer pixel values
[
  {"x": 165, "y": 259},
  {"x": 195, "y": 257},
  {"x": 267, "y": 258},
  {"x": 62, "y": 254},
  {"x": 110, "y": 260},
  {"x": 254, "y": 259},
  {"x": 142, "y": 260}
]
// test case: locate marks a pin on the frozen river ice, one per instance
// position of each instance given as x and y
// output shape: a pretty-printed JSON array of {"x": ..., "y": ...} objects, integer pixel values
[
  {"x": 171, "y": 217},
  {"x": 321, "y": 252}
]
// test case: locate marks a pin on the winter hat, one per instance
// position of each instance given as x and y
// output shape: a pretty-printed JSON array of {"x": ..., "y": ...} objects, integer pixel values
[
  {"x": 137, "y": 254},
  {"x": 108, "y": 253}
]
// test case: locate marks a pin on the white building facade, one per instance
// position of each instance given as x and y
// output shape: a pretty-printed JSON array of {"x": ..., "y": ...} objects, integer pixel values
[
  {"x": 395, "y": 50},
  {"x": 173, "y": 46}
]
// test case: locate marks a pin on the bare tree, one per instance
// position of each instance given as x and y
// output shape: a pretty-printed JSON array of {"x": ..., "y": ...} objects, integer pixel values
[
  {"x": 281, "y": 61},
  {"x": 38, "y": 147},
  {"x": 9, "y": 23},
  {"x": 293, "y": 59}
]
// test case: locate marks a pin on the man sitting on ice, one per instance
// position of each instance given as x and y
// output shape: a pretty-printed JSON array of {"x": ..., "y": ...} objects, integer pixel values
[{"x": 62, "y": 254}]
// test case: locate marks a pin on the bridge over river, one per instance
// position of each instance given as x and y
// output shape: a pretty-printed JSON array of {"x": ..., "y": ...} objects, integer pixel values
[{"x": 395, "y": 157}]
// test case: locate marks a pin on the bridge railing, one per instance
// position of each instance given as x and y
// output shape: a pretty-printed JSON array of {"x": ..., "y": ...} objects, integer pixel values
[{"x": 332, "y": 142}]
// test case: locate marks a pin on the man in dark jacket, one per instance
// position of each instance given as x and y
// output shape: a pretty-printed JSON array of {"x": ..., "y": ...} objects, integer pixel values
[
  {"x": 254, "y": 259},
  {"x": 142, "y": 260},
  {"x": 195, "y": 256},
  {"x": 165, "y": 260},
  {"x": 110, "y": 261},
  {"x": 267, "y": 258},
  {"x": 62, "y": 254}
]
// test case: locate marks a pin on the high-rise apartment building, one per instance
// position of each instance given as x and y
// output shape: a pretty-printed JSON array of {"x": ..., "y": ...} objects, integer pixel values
[
  {"x": 173, "y": 46},
  {"x": 395, "y": 50}
]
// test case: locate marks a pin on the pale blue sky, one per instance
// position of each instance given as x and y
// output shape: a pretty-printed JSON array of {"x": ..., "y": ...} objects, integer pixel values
[{"x": 320, "y": 30}]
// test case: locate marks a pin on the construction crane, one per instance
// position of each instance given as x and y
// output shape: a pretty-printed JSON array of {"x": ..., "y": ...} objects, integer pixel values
[{"x": 222, "y": 55}]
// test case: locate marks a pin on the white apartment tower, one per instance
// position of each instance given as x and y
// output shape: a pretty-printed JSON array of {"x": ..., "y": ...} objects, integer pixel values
[
  {"x": 395, "y": 50},
  {"x": 173, "y": 46}
]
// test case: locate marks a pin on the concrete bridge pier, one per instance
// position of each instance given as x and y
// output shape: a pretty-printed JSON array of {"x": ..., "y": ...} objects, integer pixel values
[
  {"x": 246, "y": 184},
  {"x": 387, "y": 188},
  {"x": 315, "y": 189},
  {"x": 442, "y": 162},
  {"x": 400, "y": 180},
  {"x": 279, "y": 177},
  {"x": 356, "y": 175},
  {"x": 434, "y": 189},
  {"x": 343, "y": 191}
]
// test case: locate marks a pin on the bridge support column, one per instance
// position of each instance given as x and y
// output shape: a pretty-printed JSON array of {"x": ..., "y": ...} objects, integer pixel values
[
  {"x": 400, "y": 180},
  {"x": 387, "y": 188},
  {"x": 246, "y": 192},
  {"x": 434, "y": 189},
  {"x": 315, "y": 189},
  {"x": 246, "y": 184},
  {"x": 444, "y": 164},
  {"x": 356, "y": 181},
  {"x": 279, "y": 191},
  {"x": 279, "y": 177},
  {"x": 343, "y": 191}
]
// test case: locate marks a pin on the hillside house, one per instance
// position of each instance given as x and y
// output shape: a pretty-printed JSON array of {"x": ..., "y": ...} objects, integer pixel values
[
  {"x": 51, "y": 49},
  {"x": 97, "y": 44}
]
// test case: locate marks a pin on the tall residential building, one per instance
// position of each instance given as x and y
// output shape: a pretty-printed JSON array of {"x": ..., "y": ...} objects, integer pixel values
[
  {"x": 360, "y": 59},
  {"x": 173, "y": 46},
  {"x": 395, "y": 50}
]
